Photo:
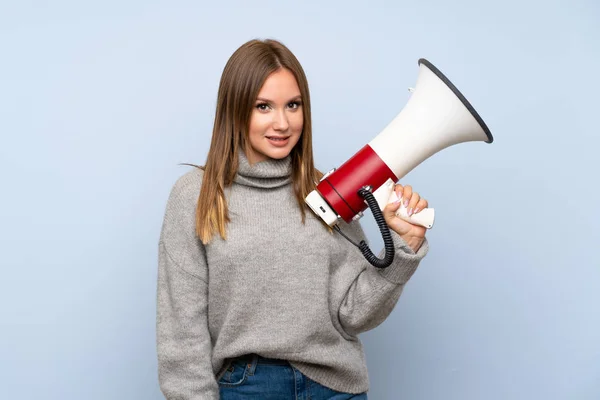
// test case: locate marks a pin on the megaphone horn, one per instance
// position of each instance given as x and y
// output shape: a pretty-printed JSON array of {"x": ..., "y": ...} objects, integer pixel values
[{"x": 436, "y": 116}]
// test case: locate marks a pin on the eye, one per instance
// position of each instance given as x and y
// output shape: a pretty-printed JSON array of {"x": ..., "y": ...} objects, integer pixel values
[
  {"x": 262, "y": 106},
  {"x": 294, "y": 104}
]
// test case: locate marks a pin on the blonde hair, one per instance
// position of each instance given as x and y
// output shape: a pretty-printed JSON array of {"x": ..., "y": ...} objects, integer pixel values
[{"x": 241, "y": 80}]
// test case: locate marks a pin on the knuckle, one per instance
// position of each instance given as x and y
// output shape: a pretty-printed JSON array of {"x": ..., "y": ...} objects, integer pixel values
[{"x": 389, "y": 207}]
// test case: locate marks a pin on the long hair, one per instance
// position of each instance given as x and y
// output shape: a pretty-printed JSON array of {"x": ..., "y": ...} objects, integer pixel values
[{"x": 241, "y": 80}]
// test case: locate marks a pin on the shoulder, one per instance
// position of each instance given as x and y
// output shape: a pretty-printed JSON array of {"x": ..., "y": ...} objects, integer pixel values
[
  {"x": 189, "y": 181},
  {"x": 187, "y": 186},
  {"x": 180, "y": 210},
  {"x": 183, "y": 197},
  {"x": 178, "y": 232}
]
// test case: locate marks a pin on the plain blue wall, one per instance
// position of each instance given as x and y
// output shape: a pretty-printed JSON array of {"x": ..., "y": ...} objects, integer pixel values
[{"x": 99, "y": 102}]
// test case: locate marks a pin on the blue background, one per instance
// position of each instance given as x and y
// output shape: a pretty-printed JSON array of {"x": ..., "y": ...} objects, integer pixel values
[{"x": 100, "y": 101}]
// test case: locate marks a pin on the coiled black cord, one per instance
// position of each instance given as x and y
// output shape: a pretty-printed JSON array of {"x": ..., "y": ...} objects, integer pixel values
[{"x": 365, "y": 193}]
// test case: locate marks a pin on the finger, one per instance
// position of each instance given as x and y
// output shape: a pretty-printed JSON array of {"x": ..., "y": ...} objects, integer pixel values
[
  {"x": 389, "y": 211},
  {"x": 406, "y": 195},
  {"x": 414, "y": 200},
  {"x": 398, "y": 189},
  {"x": 421, "y": 205}
]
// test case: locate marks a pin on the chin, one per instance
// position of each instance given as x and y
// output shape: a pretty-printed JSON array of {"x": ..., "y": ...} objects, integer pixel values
[
  {"x": 267, "y": 150},
  {"x": 278, "y": 154}
]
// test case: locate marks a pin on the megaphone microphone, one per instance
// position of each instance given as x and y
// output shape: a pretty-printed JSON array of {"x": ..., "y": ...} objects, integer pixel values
[{"x": 436, "y": 116}]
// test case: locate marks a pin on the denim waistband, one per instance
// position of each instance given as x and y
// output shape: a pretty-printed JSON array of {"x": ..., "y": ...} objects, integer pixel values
[{"x": 253, "y": 359}]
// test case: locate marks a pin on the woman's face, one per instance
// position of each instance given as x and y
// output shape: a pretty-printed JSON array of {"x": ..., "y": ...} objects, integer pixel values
[{"x": 277, "y": 119}]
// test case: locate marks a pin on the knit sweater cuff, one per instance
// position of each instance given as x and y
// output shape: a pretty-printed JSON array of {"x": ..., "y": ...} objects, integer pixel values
[{"x": 405, "y": 261}]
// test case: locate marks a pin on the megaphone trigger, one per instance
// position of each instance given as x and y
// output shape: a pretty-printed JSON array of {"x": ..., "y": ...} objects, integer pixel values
[{"x": 383, "y": 193}]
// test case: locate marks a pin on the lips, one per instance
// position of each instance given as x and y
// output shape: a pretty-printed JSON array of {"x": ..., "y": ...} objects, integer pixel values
[
  {"x": 278, "y": 141},
  {"x": 278, "y": 138}
]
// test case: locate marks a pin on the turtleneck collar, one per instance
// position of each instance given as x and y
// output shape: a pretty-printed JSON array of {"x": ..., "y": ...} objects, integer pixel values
[{"x": 267, "y": 174}]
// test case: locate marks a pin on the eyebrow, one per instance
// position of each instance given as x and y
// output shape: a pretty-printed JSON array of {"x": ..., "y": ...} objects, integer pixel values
[{"x": 299, "y": 97}]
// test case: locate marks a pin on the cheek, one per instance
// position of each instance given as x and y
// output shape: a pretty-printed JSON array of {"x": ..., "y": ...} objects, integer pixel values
[
  {"x": 258, "y": 124},
  {"x": 297, "y": 122}
]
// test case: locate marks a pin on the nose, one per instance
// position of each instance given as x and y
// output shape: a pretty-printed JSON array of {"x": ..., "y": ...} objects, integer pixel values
[{"x": 280, "y": 122}]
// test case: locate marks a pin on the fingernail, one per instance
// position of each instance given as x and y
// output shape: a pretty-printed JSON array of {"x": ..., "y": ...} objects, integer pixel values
[
  {"x": 406, "y": 203},
  {"x": 416, "y": 210},
  {"x": 410, "y": 211}
]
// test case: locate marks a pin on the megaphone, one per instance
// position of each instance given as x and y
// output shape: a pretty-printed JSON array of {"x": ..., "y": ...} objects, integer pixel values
[{"x": 436, "y": 116}]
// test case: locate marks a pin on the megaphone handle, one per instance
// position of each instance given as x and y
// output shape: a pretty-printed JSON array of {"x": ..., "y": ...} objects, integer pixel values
[
  {"x": 424, "y": 218},
  {"x": 385, "y": 194}
]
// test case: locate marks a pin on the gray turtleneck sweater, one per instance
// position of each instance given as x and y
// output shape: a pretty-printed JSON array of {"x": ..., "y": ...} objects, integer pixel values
[{"x": 275, "y": 287}]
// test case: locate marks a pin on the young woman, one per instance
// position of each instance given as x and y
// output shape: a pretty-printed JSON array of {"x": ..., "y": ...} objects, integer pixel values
[{"x": 257, "y": 298}]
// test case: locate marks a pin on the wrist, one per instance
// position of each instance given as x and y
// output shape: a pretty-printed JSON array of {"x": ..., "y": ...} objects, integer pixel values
[{"x": 414, "y": 242}]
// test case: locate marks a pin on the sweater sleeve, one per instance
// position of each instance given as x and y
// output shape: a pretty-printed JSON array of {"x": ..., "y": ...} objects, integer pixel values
[
  {"x": 183, "y": 340},
  {"x": 369, "y": 294}
]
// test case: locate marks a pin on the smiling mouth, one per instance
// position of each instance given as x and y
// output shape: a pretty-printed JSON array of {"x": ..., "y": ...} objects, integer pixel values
[{"x": 277, "y": 138}]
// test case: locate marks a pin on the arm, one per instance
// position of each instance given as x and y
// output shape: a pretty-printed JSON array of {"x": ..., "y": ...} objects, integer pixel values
[
  {"x": 183, "y": 340},
  {"x": 371, "y": 293}
]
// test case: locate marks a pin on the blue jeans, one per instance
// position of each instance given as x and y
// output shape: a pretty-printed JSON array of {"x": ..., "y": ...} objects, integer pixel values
[{"x": 255, "y": 377}]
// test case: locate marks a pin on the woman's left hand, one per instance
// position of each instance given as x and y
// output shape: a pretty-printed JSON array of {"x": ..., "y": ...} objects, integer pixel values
[{"x": 413, "y": 235}]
